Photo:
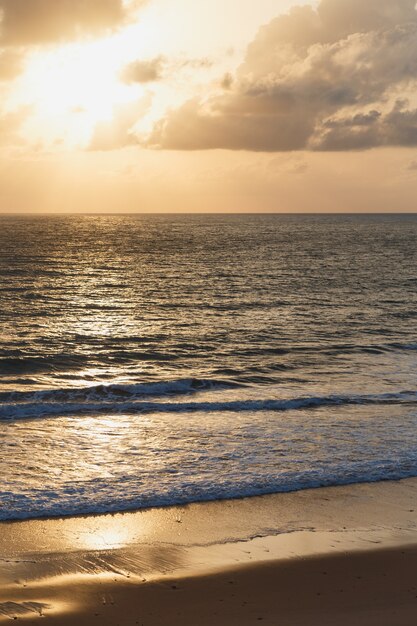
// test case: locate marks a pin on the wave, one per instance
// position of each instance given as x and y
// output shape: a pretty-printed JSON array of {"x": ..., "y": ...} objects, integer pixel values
[
  {"x": 118, "y": 392},
  {"x": 126, "y": 349},
  {"x": 359, "y": 348},
  {"x": 18, "y": 365},
  {"x": 136, "y": 403},
  {"x": 94, "y": 498},
  {"x": 10, "y": 365},
  {"x": 403, "y": 346}
]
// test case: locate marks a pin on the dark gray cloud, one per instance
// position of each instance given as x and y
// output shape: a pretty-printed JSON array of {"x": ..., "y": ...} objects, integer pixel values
[
  {"x": 26, "y": 22},
  {"x": 319, "y": 79},
  {"x": 398, "y": 127}
]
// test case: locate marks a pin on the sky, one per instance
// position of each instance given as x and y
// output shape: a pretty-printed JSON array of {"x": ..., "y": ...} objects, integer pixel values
[{"x": 221, "y": 106}]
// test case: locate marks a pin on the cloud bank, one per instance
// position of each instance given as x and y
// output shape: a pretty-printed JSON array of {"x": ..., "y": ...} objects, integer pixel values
[
  {"x": 339, "y": 77},
  {"x": 27, "y": 22}
]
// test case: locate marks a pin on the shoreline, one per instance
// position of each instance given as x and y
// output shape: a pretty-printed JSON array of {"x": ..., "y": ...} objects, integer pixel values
[
  {"x": 66, "y": 569},
  {"x": 191, "y": 503}
]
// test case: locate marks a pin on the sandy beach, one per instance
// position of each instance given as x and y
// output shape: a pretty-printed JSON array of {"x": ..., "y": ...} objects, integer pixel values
[{"x": 342, "y": 555}]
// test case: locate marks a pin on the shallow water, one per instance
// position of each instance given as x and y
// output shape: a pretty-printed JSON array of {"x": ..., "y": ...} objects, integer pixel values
[{"x": 150, "y": 360}]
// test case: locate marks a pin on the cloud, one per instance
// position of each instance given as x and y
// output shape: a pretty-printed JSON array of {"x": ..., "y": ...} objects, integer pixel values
[
  {"x": 143, "y": 71},
  {"x": 152, "y": 70},
  {"x": 26, "y": 22},
  {"x": 227, "y": 81},
  {"x": 201, "y": 63},
  {"x": 332, "y": 78},
  {"x": 117, "y": 133},
  {"x": 11, "y": 64}
]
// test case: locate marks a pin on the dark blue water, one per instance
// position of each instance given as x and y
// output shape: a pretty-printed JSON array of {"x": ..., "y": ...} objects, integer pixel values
[{"x": 147, "y": 360}]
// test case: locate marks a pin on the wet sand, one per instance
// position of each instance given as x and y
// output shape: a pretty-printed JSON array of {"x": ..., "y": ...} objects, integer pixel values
[
  {"x": 367, "y": 588},
  {"x": 344, "y": 555}
]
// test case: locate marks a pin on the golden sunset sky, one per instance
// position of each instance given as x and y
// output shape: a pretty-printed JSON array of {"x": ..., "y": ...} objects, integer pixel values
[{"x": 220, "y": 105}]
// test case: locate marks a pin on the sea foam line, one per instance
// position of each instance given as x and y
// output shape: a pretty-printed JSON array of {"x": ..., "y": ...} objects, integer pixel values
[{"x": 39, "y": 503}]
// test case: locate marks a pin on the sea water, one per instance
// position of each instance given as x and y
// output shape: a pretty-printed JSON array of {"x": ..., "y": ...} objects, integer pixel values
[{"x": 154, "y": 360}]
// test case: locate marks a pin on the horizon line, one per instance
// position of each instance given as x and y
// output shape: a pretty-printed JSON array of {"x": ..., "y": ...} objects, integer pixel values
[{"x": 196, "y": 213}]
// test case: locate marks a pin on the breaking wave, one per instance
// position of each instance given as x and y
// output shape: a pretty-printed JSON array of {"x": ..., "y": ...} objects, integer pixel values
[{"x": 140, "y": 398}]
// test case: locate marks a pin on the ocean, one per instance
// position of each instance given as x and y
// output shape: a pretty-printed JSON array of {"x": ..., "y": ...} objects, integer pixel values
[{"x": 163, "y": 359}]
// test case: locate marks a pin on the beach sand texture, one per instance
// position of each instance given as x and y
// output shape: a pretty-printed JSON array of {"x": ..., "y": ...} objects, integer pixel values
[{"x": 343, "y": 555}]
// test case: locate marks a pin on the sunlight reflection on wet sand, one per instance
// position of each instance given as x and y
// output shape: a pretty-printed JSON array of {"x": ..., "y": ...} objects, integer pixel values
[
  {"x": 42, "y": 561},
  {"x": 159, "y": 541}
]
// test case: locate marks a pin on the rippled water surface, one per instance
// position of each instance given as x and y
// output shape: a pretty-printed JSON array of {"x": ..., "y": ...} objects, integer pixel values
[{"x": 157, "y": 359}]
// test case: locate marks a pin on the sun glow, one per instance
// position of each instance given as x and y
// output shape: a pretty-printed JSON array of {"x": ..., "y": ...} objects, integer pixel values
[
  {"x": 77, "y": 80},
  {"x": 72, "y": 88},
  {"x": 71, "y": 93}
]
